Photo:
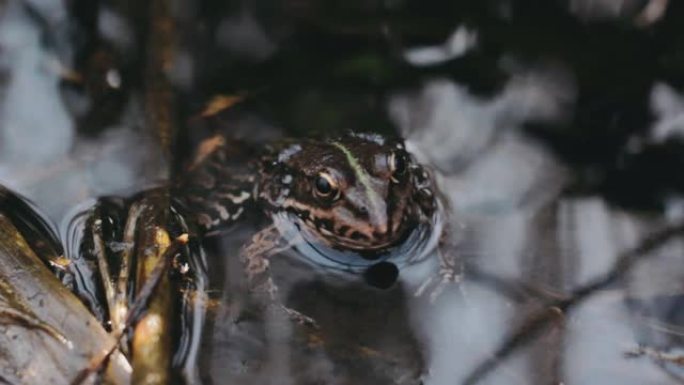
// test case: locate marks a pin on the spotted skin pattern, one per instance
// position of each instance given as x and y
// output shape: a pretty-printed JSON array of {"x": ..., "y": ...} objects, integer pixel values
[{"x": 361, "y": 192}]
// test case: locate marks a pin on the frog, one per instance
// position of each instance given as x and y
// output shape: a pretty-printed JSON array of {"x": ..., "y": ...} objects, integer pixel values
[{"x": 359, "y": 203}]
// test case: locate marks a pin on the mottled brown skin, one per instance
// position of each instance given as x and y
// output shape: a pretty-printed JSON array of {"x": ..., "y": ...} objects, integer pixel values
[
  {"x": 361, "y": 192},
  {"x": 372, "y": 205}
]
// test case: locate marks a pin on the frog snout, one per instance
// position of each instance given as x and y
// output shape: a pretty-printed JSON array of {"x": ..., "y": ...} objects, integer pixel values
[
  {"x": 380, "y": 230},
  {"x": 379, "y": 223}
]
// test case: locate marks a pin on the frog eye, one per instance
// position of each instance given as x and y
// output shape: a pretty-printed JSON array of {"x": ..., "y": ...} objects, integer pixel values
[
  {"x": 397, "y": 164},
  {"x": 325, "y": 185}
]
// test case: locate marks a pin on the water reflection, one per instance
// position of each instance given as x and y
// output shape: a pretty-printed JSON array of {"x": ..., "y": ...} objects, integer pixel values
[{"x": 529, "y": 220}]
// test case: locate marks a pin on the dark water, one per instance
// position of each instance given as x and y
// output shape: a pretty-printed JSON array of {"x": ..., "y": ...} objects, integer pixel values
[{"x": 556, "y": 127}]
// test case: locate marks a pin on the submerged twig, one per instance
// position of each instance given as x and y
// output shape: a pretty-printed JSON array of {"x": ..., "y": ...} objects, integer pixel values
[{"x": 537, "y": 321}]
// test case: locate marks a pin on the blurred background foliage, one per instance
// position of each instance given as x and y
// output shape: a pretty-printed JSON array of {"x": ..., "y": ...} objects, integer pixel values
[{"x": 321, "y": 67}]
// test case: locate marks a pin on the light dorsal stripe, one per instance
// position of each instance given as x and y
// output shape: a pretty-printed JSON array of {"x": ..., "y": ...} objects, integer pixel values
[{"x": 375, "y": 199}]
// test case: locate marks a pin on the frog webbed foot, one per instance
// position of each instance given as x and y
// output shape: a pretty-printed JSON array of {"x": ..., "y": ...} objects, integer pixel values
[
  {"x": 298, "y": 317},
  {"x": 256, "y": 257}
]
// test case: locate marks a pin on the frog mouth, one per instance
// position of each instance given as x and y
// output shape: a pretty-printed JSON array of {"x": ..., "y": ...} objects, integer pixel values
[
  {"x": 407, "y": 246},
  {"x": 354, "y": 245},
  {"x": 362, "y": 246}
]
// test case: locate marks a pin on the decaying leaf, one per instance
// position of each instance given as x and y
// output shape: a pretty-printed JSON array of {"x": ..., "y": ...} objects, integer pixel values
[{"x": 219, "y": 103}]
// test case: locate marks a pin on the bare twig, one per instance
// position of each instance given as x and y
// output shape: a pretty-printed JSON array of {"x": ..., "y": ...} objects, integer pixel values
[
  {"x": 103, "y": 266},
  {"x": 158, "y": 91},
  {"x": 539, "y": 320},
  {"x": 118, "y": 314}
]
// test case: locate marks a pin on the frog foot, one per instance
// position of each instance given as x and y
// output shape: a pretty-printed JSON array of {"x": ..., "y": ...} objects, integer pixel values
[
  {"x": 298, "y": 317},
  {"x": 268, "y": 292},
  {"x": 656, "y": 355},
  {"x": 436, "y": 284}
]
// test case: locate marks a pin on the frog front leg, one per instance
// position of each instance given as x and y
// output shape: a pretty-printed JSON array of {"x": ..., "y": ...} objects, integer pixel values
[
  {"x": 256, "y": 256},
  {"x": 450, "y": 266}
]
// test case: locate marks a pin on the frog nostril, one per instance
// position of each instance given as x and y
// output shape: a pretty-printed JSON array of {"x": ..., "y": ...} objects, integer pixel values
[{"x": 381, "y": 230}]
